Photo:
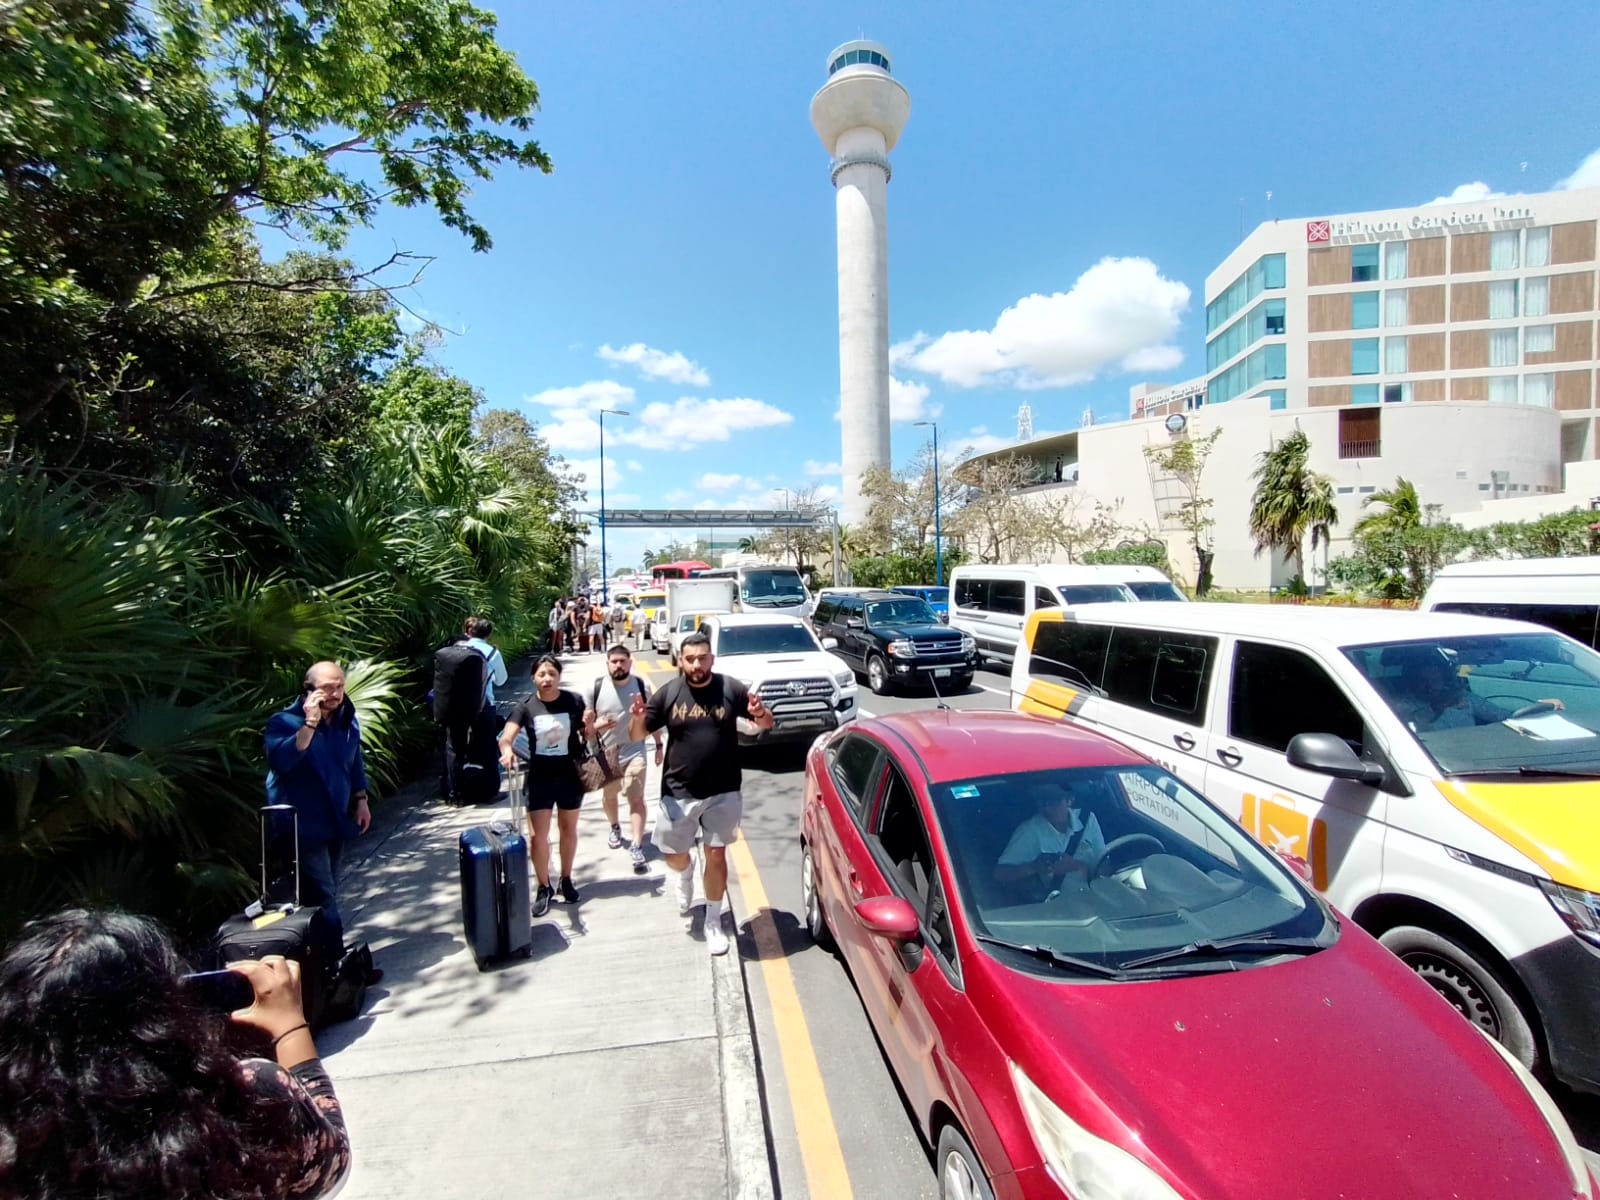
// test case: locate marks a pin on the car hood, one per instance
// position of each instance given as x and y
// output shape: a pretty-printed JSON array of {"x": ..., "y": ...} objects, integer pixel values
[
  {"x": 931, "y": 630},
  {"x": 765, "y": 666},
  {"x": 1335, "y": 1075}
]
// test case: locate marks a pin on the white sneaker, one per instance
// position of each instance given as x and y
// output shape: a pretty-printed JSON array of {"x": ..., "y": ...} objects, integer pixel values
[
  {"x": 685, "y": 889},
  {"x": 716, "y": 940}
]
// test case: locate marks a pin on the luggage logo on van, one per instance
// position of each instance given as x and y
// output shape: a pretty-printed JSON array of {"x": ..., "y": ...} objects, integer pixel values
[{"x": 1284, "y": 829}]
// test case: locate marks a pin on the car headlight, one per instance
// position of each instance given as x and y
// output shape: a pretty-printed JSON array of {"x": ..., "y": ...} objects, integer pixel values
[
  {"x": 1576, "y": 1166},
  {"x": 968, "y": 643},
  {"x": 845, "y": 678},
  {"x": 1086, "y": 1166},
  {"x": 1579, "y": 909},
  {"x": 902, "y": 648}
]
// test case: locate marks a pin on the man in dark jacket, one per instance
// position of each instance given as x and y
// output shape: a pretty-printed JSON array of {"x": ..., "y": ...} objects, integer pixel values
[{"x": 314, "y": 763}]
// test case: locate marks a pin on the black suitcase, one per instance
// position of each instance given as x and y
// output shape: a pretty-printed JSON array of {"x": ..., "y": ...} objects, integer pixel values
[
  {"x": 278, "y": 924},
  {"x": 496, "y": 900}
]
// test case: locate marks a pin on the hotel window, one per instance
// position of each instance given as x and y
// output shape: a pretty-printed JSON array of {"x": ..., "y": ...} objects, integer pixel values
[
  {"x": 1538, "y": 391},
  {"x": 1396, "y": 393},
  {"x": 1503, "y": 348},
  {"x": 1364, "y": 393},
  {"x": 1395, "y": 307},
  {"x": 1272, "y": 270},
  {"x": 1394, "y": 356},
  {"x": 1274, "y": 317},
  {"x": 1275, "y": 360},
  {"x": 1538, "y": 339},
  {"x": 1503, "y": 389},
  {"x": 1536, "y": 296},
  {"x": 1279, "y": 398},
  {"x": 1364, "y": 263},
  {"x": 1394, "y": 260},
  {"x": 1360, "y": 433},
  {"x": 1538, "y": 248},
  {"x": 1502, "y": 299},
  {"x": 1503, "y": 250},
  {"x": 1364, "y": 356},
  {"x": 1363, "y": 310}
]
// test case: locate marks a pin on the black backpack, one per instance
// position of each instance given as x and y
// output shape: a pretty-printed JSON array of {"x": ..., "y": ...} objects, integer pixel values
[{"x": 459, "y": 672}]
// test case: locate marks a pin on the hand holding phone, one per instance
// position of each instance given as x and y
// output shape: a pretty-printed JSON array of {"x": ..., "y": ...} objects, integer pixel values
[{"x": 218, "y": 991}]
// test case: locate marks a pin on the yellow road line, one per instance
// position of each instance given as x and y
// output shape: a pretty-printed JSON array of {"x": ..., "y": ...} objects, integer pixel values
[{"x": 826, "y": 1176}]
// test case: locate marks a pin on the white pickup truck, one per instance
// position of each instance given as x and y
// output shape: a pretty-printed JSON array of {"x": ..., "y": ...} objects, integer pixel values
[
  {"x": 779, "y": 659},
  {"x": 688, "y": 600}
]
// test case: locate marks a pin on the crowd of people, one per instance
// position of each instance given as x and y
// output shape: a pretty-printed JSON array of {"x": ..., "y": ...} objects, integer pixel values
[{"x": 582, "y": 625}]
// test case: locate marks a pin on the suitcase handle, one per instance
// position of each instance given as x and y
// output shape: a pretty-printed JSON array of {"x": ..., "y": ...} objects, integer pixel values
[{"x": 280, "y": 824}]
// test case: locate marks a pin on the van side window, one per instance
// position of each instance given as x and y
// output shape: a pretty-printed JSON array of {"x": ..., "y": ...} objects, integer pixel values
[
  {"x": 1044, "y": 598},
  {"x": 1580, "y": 622},
  {"x": 972, "y": 593},
  {"x": 1007, "y": 596},
  {"x": 1161, "y": 671},
  {"x": 1278, "y": 693},
  {"x": 1073, "y": 653}
]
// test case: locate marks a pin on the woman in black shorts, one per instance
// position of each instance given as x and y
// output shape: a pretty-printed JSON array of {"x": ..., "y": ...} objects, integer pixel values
[{"x": 558, "y": 724}]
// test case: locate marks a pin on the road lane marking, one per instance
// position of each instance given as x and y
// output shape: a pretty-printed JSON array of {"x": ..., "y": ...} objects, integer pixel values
[{"x": 826, "y": 1175}]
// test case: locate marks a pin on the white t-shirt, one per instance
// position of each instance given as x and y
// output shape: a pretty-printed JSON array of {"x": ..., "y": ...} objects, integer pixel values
[{"x": 1037, "y": 836}]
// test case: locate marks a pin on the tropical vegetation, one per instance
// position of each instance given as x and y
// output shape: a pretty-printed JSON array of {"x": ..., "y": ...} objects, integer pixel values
[{"x": 1290, "y": 501}]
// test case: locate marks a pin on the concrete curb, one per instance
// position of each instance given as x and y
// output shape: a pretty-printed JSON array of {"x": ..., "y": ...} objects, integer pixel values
[{"x": 744, "y": 1122}]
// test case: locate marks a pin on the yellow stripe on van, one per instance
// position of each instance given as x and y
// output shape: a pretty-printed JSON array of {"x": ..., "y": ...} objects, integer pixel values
[
  {"x": 1046, "y": 699},
  {"x": 1552, "y": 823}
]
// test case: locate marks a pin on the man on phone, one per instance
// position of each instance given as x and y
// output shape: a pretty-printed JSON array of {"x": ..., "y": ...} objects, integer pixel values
[
  {"x": 314, "y": 763},
  {"x": 700, "y": 711}
]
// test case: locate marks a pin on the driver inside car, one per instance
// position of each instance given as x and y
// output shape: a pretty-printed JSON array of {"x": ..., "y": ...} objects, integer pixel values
[
  {"x": 1434, "y": 695},
  {"x": 1055, "y": 841}
]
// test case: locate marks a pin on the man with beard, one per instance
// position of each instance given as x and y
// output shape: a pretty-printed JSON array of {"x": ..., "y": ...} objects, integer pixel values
[
  {"x": 700, "y": 711},
  {"x": 623, "y": 758}
]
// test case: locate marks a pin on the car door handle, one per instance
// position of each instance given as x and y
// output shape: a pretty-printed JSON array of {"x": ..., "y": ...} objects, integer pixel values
[
  {"x": 1183, "y": 741},
  {"x": 1231, "y": 757},
  {"x": 855, "y": 884}
]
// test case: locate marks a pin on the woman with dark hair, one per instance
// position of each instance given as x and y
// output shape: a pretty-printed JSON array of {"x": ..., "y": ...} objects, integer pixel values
[
  {"x": 558, "y": 723},
  {"x": 115, "y": 1083}
]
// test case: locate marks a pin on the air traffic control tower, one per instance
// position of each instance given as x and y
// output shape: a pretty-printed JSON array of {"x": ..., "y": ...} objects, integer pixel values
[{"x": 859, "y": 114}]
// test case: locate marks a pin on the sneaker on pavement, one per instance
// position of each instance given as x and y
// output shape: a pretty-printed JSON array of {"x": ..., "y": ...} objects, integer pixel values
[
  {"x": 716, "y": 940},
  {"x": 684, "y": 886},
  {"x": 541, "y": 901},
  {"x": 636, "y": 855},
  {"x": 614, "y": 842},
  {"x": 568, "y": 893}
]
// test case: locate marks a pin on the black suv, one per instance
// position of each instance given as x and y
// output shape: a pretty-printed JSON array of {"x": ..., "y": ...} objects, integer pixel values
[{"x": 893, "y": 638}]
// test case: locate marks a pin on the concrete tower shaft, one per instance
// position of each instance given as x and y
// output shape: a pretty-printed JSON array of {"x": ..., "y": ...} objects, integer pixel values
[{"x": 859, "y": 114}]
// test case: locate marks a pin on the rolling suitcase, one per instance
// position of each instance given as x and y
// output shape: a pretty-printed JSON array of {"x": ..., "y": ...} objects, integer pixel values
[
  {"x": 278, "y": 924},
  {"x": 496, "y": 904}
]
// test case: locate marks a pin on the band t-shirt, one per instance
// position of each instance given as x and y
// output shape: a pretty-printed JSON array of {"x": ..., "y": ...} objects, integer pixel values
[
  {"x": 555, "y": 742},
  {"x": 701, "y": 723}
]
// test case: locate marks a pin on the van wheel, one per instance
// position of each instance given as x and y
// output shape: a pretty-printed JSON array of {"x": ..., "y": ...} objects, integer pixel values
[
  {"x": 877, "y": 675},
  {"x": 1471, "y": 986},
  {"x": 961, "y": 1175}
]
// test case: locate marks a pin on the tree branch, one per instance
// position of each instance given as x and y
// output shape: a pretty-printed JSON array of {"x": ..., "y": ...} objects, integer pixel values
[{"x": 311, "y": 284}]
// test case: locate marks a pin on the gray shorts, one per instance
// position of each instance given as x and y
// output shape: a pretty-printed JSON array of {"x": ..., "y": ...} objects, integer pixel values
[{"x": 677, "y": 821}]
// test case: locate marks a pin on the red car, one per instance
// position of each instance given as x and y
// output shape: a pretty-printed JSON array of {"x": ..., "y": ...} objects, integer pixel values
[{"x": 1091, "y": 983}]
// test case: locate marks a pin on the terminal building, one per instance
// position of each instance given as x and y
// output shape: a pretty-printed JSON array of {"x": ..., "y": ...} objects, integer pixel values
[{"x": 1452, "y": 345}]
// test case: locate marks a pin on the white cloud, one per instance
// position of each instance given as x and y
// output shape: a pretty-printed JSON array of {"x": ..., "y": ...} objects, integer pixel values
[
  {"x": 1469, "y": 193},
  {"x": 814, "y": 468},
  {"x": 1153, "y": 359},
  {"x": 634, "y": 464},
  {"x": 586, "y": 473},
  {"x": 826, "y": 493},
  {"x": 901, "y": 352},
  {"x": 712, "y": 481},
  {"x": 689, "y": 421},
  {"x": 907, "y": 400},
  {"x": 1117, "y": 308},
  {"x": 1586, "y": 176},
  {"x": 673, "y": 367},
  {"x": 677, "y": 496},
  {"x": 978, "y": 440},
  {"x": 596, "y": 394}
]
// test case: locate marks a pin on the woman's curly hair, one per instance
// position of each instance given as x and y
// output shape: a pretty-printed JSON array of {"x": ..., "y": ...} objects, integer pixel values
[{"x": 113, "y": 1084}]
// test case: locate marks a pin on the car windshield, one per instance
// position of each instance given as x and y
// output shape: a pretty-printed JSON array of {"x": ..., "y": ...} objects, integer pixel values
[
  {"x": 766, "y": 639},
  {"x": 1114, "y": 865},
  {"x": 1506, "y": 704},
  {"x": 900, "y": 612},
  {"x": 1094, "y": 593},
  {"x": 1152, "y": 590},
  {"x": 652, "y": 600},
  {"x": 765, "y": 589}
]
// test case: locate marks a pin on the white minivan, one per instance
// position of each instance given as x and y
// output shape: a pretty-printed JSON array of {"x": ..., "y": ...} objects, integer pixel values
[
  {"x": 992, "y": 603},
  {"x": 1438, "y": 776},
  {"x": 1563, "y": 593}
]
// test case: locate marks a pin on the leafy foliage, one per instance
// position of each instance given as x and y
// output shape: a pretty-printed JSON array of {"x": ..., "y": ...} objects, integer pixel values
[{"x": 1290, "y": 501}]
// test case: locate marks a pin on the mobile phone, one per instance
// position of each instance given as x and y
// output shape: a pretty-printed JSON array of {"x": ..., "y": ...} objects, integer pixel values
[{"x": 218, "y": 991}]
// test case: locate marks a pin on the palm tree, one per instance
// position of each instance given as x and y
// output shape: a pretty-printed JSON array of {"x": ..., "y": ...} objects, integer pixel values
[
  {"x": 1402, "y": 528},
  {"x": 1290, "y": 501},
  {"x": 1402, "y": 511}
]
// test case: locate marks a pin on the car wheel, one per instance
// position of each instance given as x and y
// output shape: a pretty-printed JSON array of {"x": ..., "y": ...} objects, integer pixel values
[
  {"x": 810, "y": 902},
  {"x": 877, "y": 675},
  {"x": 961, "y": 1175},
  {"x": 1471, "y": 986}
]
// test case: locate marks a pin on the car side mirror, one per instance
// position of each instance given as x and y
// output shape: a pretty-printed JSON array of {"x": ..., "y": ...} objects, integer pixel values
[
  {"x": 830, "y": 643},
  {"x": 889, "y": 917},
  {"x": 1327, "y": 754},
  {"x": 855, "y": 623}
]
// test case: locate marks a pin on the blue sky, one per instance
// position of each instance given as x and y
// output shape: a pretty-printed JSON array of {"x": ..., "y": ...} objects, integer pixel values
[{"x": 680, "y": 262}]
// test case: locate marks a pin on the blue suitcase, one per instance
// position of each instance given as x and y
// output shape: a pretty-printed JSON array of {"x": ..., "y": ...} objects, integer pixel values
[{"x": 496, "y": 900}]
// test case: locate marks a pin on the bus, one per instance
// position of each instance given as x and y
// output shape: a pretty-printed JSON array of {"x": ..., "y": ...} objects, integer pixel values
[
  {"x": 687, "y": 569},
  {"x": 767, "y": 588}
]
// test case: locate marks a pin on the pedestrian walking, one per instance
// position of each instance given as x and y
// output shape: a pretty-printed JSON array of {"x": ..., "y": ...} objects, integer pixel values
[
  {"x": 558, "y": 612},
  {"x": 638, "y": 626},
  {"x": 700, "y": 787},
  {"x": 472, "y": 775},
  {"x": 557, "y": 725},
  {"x": 597, "y": 628},
  {"x": 622, "y": 757}
]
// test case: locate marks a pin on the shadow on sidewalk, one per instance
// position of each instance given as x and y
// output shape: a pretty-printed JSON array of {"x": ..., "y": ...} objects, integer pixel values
[{"x": 772, "y": 933}]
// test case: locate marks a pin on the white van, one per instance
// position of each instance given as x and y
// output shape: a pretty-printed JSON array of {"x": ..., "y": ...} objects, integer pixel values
[
  {"x": 1563, "y": 593},
  {"x": 1438, "y": 776},
  {"x": 992, "y": 603}
]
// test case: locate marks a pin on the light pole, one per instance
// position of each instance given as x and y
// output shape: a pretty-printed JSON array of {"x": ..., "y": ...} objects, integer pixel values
[
  {"x": 605, "y": 580},
  {"x": 938, "y": 533}
]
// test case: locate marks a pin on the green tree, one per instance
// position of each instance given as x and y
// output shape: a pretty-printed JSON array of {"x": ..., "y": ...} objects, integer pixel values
[
  {"x": 1184, "y": 460},
  {"x": 1290, "y": 501}
]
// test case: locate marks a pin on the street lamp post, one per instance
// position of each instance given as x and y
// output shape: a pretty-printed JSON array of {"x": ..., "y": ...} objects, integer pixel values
[
  {"x": 605, "y": 580},
  {"x": 938, "y": 532}
]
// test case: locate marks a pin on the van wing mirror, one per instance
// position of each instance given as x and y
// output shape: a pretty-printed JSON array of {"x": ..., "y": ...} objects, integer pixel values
[{"x": 1328, "y": 754}]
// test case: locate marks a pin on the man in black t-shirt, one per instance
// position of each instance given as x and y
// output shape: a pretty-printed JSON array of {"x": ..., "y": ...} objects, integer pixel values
[{"x": 700, "y": 711}]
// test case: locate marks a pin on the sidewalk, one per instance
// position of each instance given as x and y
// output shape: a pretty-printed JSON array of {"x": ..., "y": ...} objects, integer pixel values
[{"x": 617, "y": 1061}]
